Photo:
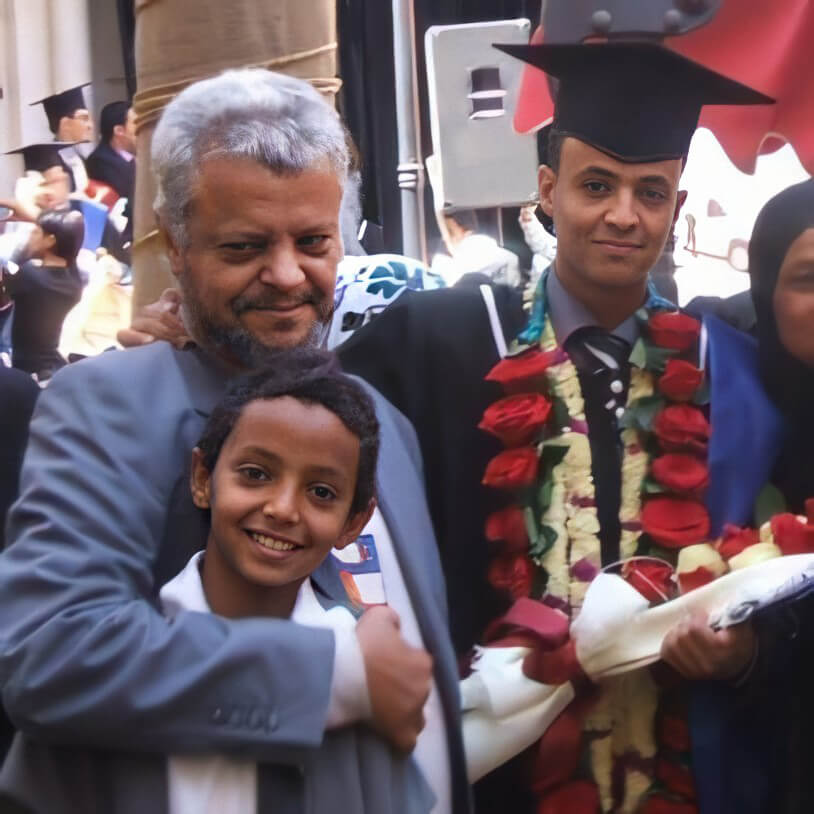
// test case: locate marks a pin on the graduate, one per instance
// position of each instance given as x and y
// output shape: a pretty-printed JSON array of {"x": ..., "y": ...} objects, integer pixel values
[
  {"x": 625, "y": 115},
  {"x": 70, "y": 121}
]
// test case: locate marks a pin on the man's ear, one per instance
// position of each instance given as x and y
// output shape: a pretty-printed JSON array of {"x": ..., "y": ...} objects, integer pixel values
[
  {"x": 174, "y": 251},
  {"x": 355, "y": 523},
  {"x": 681, "y": 199},
  {"x": 546, "y": 181},
  {"x": 200, "y": 481}
]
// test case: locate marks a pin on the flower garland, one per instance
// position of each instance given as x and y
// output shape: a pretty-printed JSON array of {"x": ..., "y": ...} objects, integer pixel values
[{"x": 547, "y": 543}]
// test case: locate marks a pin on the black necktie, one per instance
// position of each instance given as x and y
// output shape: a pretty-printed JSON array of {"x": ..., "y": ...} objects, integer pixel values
[{"x": 601, "y": 360}]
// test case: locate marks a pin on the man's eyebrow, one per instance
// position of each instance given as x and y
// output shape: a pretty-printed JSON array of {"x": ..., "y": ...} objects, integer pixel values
[
  {"x": 317, "y": 228},
  {"x": 655, "y": 179},
  {"x": 599, "y": 171},
  {"x": 237, "y": 234}
]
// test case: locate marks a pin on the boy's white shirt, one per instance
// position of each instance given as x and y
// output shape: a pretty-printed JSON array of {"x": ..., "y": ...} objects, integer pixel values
[
  {"x": 218, "y": 784},
  {"x": 215, "y": 784}
]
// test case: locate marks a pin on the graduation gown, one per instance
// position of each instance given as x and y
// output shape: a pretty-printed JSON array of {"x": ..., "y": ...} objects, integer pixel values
[{"x": 428, "y": 353}]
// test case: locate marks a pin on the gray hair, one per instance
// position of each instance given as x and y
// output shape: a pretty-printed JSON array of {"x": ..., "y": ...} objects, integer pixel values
[{"x": 276, "y": 120}]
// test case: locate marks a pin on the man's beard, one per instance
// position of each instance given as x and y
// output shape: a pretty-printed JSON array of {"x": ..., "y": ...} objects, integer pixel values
[{"x": 234, "y": 342}]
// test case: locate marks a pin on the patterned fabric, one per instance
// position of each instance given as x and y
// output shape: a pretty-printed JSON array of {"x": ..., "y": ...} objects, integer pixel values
[{"x": 366, "y": 285}]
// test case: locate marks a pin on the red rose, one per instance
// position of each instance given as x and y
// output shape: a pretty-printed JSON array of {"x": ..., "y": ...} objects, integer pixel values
[
  {"x": 792, "y": 536},
  {"x": 735, "y": 539},
  {"x": 682, "y": 427},
  {"x": 677, "y": 778},
  {"x": 690, "y": 580},
  {"x": 508, "y": 526},
  {"x": 680, "y": 473},
  {"x": 515, "y": 420},
  {"x": 513, "y": 574},
  {"x": 577, "y": 797},
  {"x": 675, "y": 522},
  {"x": 680, "y": 380},
  {"x": 661, "y": 805},
  {"x": 675, "y": 331},
  {"x": 674, "y": 733},
  {"x": 524, "y": 372},
  {"x": 652, "y": 579},
  {"x": 512, "y": 469}
]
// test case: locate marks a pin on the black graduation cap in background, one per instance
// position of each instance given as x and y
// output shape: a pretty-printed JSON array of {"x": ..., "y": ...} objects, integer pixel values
[
  {"x": 636, "y": 101},
  {"x": 40, "y": 157},
  {"x": 62, "y": 104}
]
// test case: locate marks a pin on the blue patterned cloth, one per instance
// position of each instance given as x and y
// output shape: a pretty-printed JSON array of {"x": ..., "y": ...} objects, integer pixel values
[{"x": 366, "y": 285}]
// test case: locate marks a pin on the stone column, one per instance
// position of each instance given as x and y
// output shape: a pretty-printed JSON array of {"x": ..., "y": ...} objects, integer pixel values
[{"x": 181, "y": 41}]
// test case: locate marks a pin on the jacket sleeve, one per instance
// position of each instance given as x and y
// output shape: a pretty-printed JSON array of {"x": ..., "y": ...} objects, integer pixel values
[{"x": 85, "y": 655}]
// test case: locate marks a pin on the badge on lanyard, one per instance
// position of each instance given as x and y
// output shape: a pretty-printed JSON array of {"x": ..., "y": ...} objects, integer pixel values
[{"x": 361, "y": 572}]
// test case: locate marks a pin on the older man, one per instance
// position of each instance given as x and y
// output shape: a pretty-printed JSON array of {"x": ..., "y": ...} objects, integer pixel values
[{"x": 251, "y": 167}]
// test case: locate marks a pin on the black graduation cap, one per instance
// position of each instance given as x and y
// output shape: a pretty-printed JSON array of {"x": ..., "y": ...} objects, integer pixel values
[
  {"x": 40, "y": 157},
  {"x": 62, "y": 104},
  {"x": 637, "y": 101}
]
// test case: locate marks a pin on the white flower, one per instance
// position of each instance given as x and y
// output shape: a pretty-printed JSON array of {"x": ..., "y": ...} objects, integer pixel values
[
  {"x": 557, "y": 511},
  {"x": 641, "y": 384},
  {"x": 628, "y": 543}
]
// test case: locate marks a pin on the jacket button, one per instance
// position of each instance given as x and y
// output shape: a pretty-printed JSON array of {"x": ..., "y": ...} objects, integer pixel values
[
  {"x": 256, "y": 718},
  {"x": 217, "y": 716}
]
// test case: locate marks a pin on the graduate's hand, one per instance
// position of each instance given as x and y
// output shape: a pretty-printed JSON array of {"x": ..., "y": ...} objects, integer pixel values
[
  {"x": 698, "y": 652},
  {"x": 527, "y": 213},
  {"x": 398, "y": 678},
  {"x": 160, "y": 320}
]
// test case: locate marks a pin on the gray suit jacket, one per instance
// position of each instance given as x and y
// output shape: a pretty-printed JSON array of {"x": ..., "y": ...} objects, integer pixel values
[{"x": 104, "y": 518}]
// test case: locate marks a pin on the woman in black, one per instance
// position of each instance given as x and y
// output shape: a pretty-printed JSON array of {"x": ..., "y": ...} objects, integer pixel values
[
  {"x": 778, "y": 712},
  {"x": 46, "y": 286}
]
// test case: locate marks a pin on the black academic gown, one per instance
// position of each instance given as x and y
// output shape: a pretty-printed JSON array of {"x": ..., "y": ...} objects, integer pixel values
[
  {"x": 106, "y": 165},
  {"x": 428, "y": 353}
]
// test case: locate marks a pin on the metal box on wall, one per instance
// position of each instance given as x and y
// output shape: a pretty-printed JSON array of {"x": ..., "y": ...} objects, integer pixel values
[{"x": 480, "y": 160}]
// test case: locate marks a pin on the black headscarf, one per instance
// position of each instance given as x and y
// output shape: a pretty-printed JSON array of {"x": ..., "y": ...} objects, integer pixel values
[{"x": 788, "y": 381}]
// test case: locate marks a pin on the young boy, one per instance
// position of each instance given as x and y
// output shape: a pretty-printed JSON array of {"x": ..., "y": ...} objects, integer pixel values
[{"x": 286, "y": 469}]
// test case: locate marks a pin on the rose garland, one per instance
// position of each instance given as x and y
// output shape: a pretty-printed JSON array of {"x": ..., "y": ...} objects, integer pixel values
[{"x": 547, "y": 544}]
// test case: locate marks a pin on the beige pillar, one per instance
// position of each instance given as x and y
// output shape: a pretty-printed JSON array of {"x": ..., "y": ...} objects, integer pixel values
[{"x": 181, "y": 41}]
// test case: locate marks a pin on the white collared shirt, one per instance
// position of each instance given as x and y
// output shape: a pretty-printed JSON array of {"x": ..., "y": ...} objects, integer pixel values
[{"x": 220, "y": 785}]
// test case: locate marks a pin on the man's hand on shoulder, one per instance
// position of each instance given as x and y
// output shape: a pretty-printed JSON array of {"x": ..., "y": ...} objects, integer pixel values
[
  {"x": 160, "y": 320},
  {"x": 398, "y": 678},
  {"x": 698, "y": 652}
]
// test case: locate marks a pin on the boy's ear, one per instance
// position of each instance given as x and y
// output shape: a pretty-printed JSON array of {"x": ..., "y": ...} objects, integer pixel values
[
  {"x": 199, "y": 480},
  {"x": 356, "y": 522}
]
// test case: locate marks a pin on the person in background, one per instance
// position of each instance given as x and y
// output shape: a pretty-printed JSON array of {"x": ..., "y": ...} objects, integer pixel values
[
  {"x": 285, "y": 470},
  {"x": 474, "y": 253},
  {"x": 113, "y": 160},
  {"x": 70, "y": 121},
  {"x": 44, "y": 285},
  {"x": 46, "y": 185},
  {"x": 542, "y": 243}
]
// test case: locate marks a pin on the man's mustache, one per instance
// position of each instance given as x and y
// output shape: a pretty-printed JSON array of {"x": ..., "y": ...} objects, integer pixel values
[{"x": 271, "y": 301}]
